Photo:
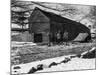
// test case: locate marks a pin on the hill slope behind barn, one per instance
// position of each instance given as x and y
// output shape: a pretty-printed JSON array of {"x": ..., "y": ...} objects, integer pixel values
[{"x": 43, "y": 22}]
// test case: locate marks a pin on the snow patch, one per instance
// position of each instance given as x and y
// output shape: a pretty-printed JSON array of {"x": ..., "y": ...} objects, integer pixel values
[{"x": 75, "y": 64}]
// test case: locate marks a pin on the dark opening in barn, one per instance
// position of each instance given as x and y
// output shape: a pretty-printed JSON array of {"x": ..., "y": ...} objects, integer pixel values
[{"x": 37, "y": 38}]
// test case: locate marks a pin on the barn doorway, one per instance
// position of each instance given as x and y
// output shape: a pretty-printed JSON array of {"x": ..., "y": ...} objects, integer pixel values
[{"x": 37, "y": 38}]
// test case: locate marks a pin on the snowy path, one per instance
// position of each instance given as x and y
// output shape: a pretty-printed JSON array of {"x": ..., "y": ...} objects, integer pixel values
[{"x": 74, "y": 64}]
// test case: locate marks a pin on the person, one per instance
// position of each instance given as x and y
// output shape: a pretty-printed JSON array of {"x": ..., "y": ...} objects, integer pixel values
[
  {"x": 65, "y": 37},
  {"x": 50, "y": 39},
  {"x": 58, "y": 36}
]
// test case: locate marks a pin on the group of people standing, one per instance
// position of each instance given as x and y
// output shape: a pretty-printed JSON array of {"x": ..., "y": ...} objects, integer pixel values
[{"x": 59, "y": 37}]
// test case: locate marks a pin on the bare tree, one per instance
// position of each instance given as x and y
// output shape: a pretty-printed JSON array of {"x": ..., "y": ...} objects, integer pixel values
[{"x": 19, "y": 17}]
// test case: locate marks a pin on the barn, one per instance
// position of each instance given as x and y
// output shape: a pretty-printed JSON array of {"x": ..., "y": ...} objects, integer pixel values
[{"x": 48, "y": 27}]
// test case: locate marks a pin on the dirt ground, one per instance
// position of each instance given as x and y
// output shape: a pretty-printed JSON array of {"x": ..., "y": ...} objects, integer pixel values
[{"x": 29, "y": 53}]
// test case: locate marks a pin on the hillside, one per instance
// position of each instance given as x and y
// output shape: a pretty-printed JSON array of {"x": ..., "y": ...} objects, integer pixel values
[{"x": 84, "y": 14}]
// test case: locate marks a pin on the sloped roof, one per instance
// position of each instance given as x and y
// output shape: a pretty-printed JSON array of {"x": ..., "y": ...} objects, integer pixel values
[{"x": 54, "y": 17}]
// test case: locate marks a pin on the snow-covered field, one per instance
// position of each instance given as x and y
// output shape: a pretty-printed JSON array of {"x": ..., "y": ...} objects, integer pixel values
[{"x": 74, "y": 64}]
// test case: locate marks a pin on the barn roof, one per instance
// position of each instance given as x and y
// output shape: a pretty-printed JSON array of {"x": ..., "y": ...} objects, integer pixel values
[{"x": 55, "y": 17}]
